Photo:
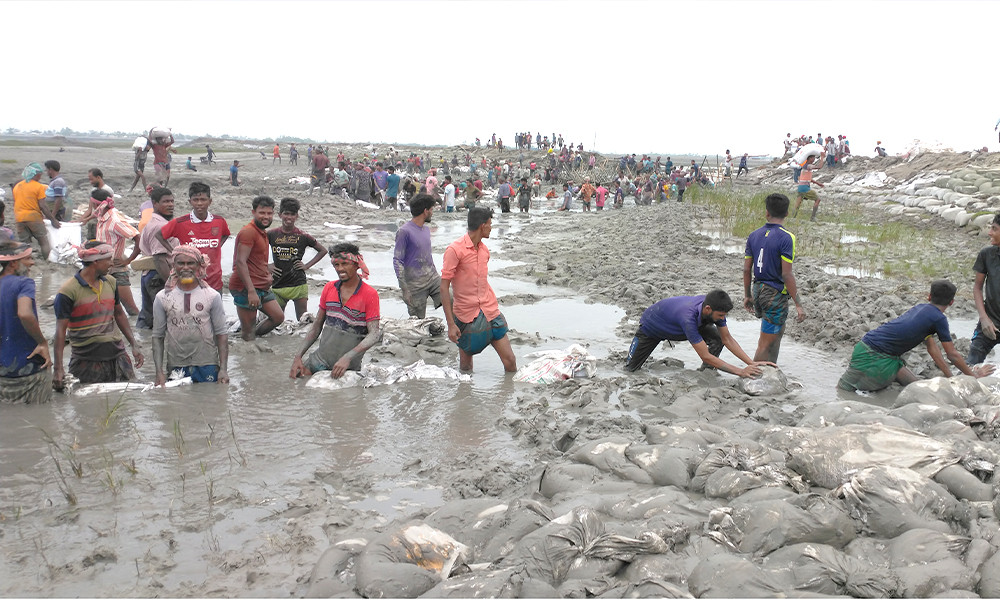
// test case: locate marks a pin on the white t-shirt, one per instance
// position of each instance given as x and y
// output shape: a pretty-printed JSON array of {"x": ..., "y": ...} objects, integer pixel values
[{"x": 449, "y": 195}]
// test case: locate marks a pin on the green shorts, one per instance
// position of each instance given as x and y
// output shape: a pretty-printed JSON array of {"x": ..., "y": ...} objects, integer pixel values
[
  {"x": 870, "y": 370},
  {"x": 810, "y": 195},
  {"x": 286, "y": 294}
]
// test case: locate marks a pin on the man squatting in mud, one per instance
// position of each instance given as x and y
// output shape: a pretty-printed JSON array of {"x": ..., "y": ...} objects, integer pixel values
[
  {"x": 877, "y": 359},
  {"x": 347, "y": 321},
  {"x": 701, "y": 321}
]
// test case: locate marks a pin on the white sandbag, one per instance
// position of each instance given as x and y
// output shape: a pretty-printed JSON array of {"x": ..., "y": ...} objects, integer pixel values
[
  {"x": 550, "y": 366},
  {"x": 665, "y": 465},
  {"x": 411, "y": 329},
  {"x": 375, "y": 375},
  {"x": 140, "y": 143},
  {"x": 75, "y": 388},
  {"x": 763, "y": 527},
  {"x": 731, "y": 576},
  {"x": 963, "y": 391},
  {"x": 64, "y": 242},
  {"x": 823, "y": 569}
]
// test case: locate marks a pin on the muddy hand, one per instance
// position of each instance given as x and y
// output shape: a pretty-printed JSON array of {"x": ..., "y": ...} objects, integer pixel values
[
  {"x": 989, "y": 329},
  {"x": 983, "y": 370}
]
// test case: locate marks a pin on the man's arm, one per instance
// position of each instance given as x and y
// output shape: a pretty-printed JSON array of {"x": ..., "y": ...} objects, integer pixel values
[
  {"x": 48, "y": 215},
  {"x": 121, "y": 318},
  {"x": 792, "y": 287},
  {"x": 243, "y": 271},
  {"x": 135, "y": 253},
  {"x": 956, "y": 359},
  {"x": 161, "y": 376},
  {"x": 30, "y": 323},
  {"x": 222, "y": 343},
  {"x": 298, "y": 369},
  {"x": 60, "y": 343},
  {"x": 453, "y": 332},
  {"x": 733, "y": 346},
  {"x": 320, "y": 253},
  {"x": 707, "y": 357},
  {"x": 985, "y": 322},
  {"x": 162, "y": 266}
]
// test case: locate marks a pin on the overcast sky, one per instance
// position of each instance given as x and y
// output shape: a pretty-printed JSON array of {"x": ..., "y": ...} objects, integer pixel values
[{"x": 684, "y": 77}]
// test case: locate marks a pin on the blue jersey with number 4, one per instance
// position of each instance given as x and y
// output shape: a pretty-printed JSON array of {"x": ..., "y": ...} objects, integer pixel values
[{"x": 767, "y": 248}]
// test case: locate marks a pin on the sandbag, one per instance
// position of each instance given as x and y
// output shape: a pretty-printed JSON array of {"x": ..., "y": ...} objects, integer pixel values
[
  {"x": 650, "y": 588},
  {"x": 475, "y": 521},
  {"x": 731, "y": 576},
  {"x": 608, "y": 454},
  {"x": 989, "y": 577},
  {"x": 768, "y": 525},
  {"x": 735, "y": 468},
  {"x": 920, "y": 546},
  {"x": 890, "y": 500},
  {"x": 771, "y": 382},
  {"x": 664, "y": 464},
  {"x": 962, "y": 391},
  {"x": 931, "y": 579},
  {"x": 659, "y": 567},
  {"x": 825, "y": 456},
  {"x": 835, "y": 413},
  {"x": 823, "y": 569},
  {"x": 501, "y": 583},
  {"x": 550, "y": 366},
  {"x": 522, "y": 517},
  {"x": 64, "y": 242},
  {"x": 407, "y": 562},
  {"x": 964, "y": 485},
  {"x": 922, "y": 416}
]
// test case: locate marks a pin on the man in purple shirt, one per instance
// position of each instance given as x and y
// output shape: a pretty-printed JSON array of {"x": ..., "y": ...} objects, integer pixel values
[
  {"x": 413, "y": 261},
  {"x": 699, "y": 320},
  {"x": 381, "y": 179}
]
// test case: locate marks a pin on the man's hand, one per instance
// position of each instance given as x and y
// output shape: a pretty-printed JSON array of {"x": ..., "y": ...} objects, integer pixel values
[
  {"x": 340, "y": 367},
  {"x": 253, "y": 300},
  {"x": 748, "y": 304},
  {"x": 138, "y": 357},
  {"x": 275, "y": 271},
  {"x": 223, "y": 376},
  {"x": 406, "y": 295},
  {"x": 801, "y": 313},
  {"x": 298, "y": 265},
  {"x": 43, "y": 351},
  {"x": 749, "y": 371},
  {"x": 298, "y": 369},
  {"x": 764, "y": 363},
  {"x": 988, "y": 328},
  {"x": 983, "y": 370},
  {"x": 55, "y": 223},
  {"x": 454, "y": 333},
  {"x": 57, "y": 378}
]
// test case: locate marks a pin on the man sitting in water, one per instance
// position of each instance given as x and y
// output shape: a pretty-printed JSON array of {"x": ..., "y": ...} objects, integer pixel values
[
  {"x": 189, "y": 323},
  {"x": 88, "y": 313},
  {"x": 877, "y": 359},
  {"x": 348, "y": 318},
  {"x": 701, "y": 321}
]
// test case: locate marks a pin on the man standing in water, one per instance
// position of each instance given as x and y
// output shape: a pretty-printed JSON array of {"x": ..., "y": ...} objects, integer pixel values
[
  {"x": 877, "y": 360},
  {"x": 699, "y": 320},
  {"x": 347, "y": 322},
  {"x": 25, "y": 376},
  {"x": 153, "y": 279},
  {"x": 189, "y": 323},
  {"x": 250, "y": 283},
  {"x": 474, "y": 318},
  {"x": 88, "y": 312},
  {"x": 206, "y": 231},
  {"x": 768, "y": 281},
  {"x": 412, "y": 259}
]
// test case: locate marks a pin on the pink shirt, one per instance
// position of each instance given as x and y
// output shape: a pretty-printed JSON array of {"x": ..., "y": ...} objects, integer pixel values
[
  {"x": 431, "y": 183},
  {"x": 466, "y": 266}
]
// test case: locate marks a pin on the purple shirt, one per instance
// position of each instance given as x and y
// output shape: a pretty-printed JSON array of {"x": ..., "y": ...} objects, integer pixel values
[
  {"x": 676, "y": 318},
  {"x": 381, "y": 179},
  {"x": 412, "y": 258}
]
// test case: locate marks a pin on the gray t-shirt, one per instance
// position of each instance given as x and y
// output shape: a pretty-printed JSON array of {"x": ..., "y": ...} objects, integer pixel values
[
  {"x": 988, "y": 262},
  {"x": 195, "y": 317}
]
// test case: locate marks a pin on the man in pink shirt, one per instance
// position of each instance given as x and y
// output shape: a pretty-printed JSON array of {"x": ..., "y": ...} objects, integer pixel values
[{"x": 474, "y": 317}]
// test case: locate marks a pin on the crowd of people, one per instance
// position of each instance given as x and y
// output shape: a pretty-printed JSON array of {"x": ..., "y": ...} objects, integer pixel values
[{"x": 182, "y": 280}]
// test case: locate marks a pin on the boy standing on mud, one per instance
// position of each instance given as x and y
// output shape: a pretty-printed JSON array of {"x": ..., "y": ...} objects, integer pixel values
[
  {"x": 877, "y": 360},
  {"x": 768, "y": 281},
  {"x": 987, "y": 294}
]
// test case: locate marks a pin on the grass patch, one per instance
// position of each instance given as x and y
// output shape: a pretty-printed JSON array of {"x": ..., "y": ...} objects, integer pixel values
[{"x": 9, "y": 161}]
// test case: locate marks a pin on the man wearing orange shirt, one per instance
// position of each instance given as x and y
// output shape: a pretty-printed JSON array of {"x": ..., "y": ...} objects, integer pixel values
[
  {"x": 474, "y": 317},
  {"x": 30, "y": 209}
]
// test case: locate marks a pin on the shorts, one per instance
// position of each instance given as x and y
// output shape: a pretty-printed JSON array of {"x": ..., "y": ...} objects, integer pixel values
[
  {"x": 285, "y": 294},
  {"x": 449, "y": 209},
  {"x": 121, "y": 278},
  {"x": 771, "y": 307},
  {"x": 162, "y": 165},
  {"x": 417, "y": 306},
  {"x": 478, "y": 334},
  {"x": 32, "y": 229},
  {"x": 139, "y": 165},
  {"x": 240, "y": 298},
  {"x": 586, "y": 205},
  {"x": 870, "y": 370},
  {"x": 809, "y": 195},
  {"x": 204, "y": 374}
]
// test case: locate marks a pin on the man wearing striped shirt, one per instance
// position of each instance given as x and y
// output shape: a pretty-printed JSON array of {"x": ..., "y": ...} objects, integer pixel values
[{"x": 768, "y": 281}]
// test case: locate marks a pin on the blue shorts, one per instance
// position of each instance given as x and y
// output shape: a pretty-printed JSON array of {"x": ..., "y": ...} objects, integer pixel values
[
  {"x": 240, "y": 298},
  {"x": 478, "y": 334},
  {"x": 205, "y": 374},
  {"x": 771, "y": 307},
  {"x": 450, "y": 209}
]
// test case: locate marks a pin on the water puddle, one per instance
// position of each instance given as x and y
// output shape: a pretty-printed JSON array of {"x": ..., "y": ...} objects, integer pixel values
[
  {"x": 851, "y": 238},
  {"x": 856, "y": 272}
]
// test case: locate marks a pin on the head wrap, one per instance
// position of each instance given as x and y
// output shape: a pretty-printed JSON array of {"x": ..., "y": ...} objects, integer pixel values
[
  {"x": 191, "y": 252},
  {"x": 99, "y": 252},
  {"x": 104, "y": 206},
  {"x": 31, "y": 171},
  {"x": 356, "y": 259},
  {"x": 14, "y": 251}
]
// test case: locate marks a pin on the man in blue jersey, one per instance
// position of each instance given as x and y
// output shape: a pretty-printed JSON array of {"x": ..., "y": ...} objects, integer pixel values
[
  {"x": 768, "y": 281},
  {"x": 877, "y": 359},
  {"x": 699, "y": 320}
]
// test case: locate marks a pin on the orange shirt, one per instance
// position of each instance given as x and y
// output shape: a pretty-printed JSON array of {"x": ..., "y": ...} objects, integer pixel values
[
  {"x": 466, "y": 266},
  {"x": 27, "y": 195}
]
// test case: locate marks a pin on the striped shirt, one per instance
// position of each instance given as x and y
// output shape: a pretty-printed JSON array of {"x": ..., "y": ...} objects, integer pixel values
[
  {"x": 352, "y": 314},
  {"x": 112, "y": 229},
  {"x": 90, "y": 311}
]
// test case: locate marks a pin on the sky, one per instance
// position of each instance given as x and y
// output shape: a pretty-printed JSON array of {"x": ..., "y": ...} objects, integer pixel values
[{"x": 693, "y": 77}]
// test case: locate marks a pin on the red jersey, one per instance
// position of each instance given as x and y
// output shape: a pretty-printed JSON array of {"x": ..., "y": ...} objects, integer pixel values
[{"x": 206, "y": 236}]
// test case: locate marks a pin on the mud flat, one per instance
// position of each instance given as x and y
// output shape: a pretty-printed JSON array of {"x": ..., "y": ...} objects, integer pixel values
[{"x": 668, "y": 482}]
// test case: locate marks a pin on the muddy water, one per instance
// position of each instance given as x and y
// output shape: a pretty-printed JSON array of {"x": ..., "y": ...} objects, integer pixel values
[{"x": 177, "y": 488}]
